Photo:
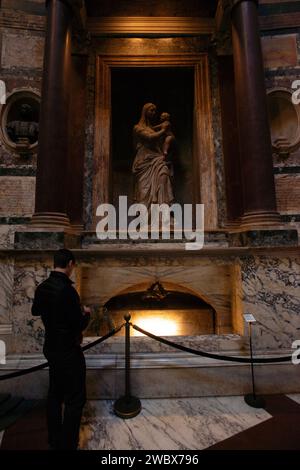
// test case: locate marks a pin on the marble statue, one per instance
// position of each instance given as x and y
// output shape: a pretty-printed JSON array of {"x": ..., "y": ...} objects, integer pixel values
[
  {"x": 23, "y": 131},
  {"x": 151, "y": 168}
]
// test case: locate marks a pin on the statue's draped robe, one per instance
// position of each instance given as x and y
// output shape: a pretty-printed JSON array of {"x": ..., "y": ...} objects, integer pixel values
[{"x": 152, "y": 172}]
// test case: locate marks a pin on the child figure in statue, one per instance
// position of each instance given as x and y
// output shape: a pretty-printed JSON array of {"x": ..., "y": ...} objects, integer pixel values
[{"x": 169, "y": 137}]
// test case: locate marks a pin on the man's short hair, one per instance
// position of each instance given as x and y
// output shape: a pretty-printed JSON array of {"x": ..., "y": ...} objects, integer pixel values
[{"x": 62, "y": 258}]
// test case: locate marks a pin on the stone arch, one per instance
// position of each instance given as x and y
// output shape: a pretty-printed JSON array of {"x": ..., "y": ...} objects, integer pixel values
[{"x": 179, "y": 298}]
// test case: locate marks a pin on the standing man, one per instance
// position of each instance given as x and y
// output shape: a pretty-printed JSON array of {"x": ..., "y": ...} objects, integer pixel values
[{"x": 58, "y": 303}]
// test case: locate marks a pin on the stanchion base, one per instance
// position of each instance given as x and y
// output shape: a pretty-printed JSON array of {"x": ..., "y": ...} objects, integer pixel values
[
  {"x": 254, "y": 401},
  {"x": 127, "y": 407}
]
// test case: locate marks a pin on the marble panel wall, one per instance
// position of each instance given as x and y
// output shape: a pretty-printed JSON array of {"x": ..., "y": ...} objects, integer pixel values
[
  {"x": 28, "y": 331},
  {"x": 6, "y": 290},
  {"x": 271, "y": 292},
  {"x": 266, "y": 286}
]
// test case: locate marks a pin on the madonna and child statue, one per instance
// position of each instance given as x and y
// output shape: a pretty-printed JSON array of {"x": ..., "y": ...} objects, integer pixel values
[{"x": 152, "y": 168}]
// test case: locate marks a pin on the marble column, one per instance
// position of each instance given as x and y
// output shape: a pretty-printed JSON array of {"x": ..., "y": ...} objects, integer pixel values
[
  {"x": 51, "y": 184},
  {"x": 77, "y": 140},
  {"x": 258, "y": 189},
  {"x": 230, "y": 138}
]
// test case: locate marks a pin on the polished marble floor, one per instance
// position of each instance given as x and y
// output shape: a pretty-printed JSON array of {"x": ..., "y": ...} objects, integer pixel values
[
  {"x": 168, "y": 424},
  {"x": 217, "y": 423},
  {"x": 295, "y": 397}
]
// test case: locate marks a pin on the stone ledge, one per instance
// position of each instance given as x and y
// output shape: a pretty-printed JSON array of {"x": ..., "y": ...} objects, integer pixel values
[
  {"x": 265, "y": 238},
  {"x": 145, "y": 360},
  {"x": 218, "y": 238},
  {"x": 220, "y": 344},
  {"x": 45, "y": 239},
  {"x": 221, "y": 242}
]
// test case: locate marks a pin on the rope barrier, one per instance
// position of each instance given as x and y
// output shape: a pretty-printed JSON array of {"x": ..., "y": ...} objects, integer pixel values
[
  {"x": 19, "y": 373},
  {"x": 221, "y": 357},
  {"x": 103, "y": 338},
  {"x": 247, "y": 360}
]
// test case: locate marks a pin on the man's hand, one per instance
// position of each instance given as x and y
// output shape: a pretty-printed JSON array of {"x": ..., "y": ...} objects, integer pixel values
[{"x": 86, "y": 310}]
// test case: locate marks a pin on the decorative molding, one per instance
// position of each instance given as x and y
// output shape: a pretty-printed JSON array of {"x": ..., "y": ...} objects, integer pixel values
[
  {"x": 6, "y": 329},
  {"x": 20, "y": 20},
  {"x": 150, "y": 25}
]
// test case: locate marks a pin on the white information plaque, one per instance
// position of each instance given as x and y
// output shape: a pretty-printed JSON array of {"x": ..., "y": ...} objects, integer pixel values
[{"x": 249, "y": 318}]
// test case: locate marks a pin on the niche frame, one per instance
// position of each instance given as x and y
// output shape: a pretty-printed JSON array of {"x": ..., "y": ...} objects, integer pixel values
[
  {"x": 288, "y": 147},
  {"x": 17, "y": 94},
  {"x": 203, "y": 147}
]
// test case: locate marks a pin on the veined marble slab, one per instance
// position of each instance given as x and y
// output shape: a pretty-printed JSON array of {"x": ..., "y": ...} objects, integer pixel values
[
  {"x": 6, "y": 290},
  {"x": 177, "y": 424},
  {"x": 271, "y": 293}
]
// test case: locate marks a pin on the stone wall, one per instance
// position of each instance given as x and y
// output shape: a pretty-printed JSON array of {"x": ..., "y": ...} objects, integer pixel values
[{"x": 21, "y": 63}]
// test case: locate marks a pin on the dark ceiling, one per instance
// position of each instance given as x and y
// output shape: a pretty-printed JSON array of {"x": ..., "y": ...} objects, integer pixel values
[{"x": 196, "y": 8}]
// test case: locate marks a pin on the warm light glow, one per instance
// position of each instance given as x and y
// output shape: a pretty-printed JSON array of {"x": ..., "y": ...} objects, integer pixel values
[
  {"x": 157, "y": 325},
  {"x": 136, "y": 40}
]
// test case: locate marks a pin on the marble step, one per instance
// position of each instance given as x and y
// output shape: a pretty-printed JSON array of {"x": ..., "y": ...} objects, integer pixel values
[{"x": 160, "y": 375}]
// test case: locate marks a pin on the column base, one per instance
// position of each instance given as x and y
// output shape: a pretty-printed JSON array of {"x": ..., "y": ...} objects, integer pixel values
[
  {"x": 260, "y": 219},
  {"x": 50, "y": 220},
  {"x": 76, "y": 228},
  {"x": 232, "y": 224}
]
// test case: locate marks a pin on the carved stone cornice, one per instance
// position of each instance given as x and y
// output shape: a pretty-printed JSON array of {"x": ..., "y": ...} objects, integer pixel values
[{"x": 150, "y": 25}]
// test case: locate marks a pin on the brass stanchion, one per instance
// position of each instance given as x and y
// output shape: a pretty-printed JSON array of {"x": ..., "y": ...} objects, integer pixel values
[
  {"x": 127, "y": 406},
  {"x": 251, "y": 398}
]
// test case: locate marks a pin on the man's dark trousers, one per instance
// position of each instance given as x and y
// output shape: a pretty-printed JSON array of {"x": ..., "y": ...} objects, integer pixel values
[{"x": 66, "y": 385}]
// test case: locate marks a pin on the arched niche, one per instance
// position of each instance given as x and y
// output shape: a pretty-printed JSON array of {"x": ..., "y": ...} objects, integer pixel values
[
  {"x": 161, "y": 310},
  {"x": 22, "y": 105}
]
